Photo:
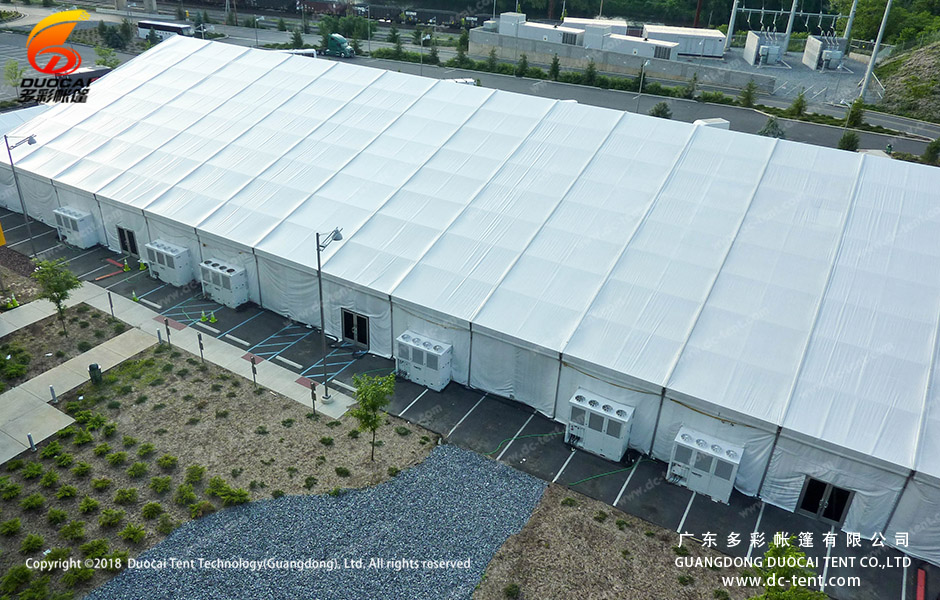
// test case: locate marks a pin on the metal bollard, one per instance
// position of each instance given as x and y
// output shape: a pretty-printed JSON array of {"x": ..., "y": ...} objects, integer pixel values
[
  {"x": 201, "y": 356},
  {"x": 159, "y": 336},
  {"x": 166, "y": 323},
  {"x": 111, "y": 302},
  {"x": 32, "y": 446},
  {"x": 254, "y": 372},
  {"x": 55, "y": 400},
  {"x": 313, "y": 396}
]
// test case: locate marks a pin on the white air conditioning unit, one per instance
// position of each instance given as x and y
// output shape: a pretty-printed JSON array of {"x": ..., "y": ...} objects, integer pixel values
[
  {"x": 598, "y": 425},
  {"x": 169, "y": 263},
  {"x": 704, "y": 464},
  {"x": 226, "y": 284},
  {"x": 76, "y": 227},
  {"x": 423, "y": 360}
]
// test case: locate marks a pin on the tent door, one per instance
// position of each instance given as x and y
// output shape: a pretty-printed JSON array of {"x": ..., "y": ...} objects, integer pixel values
[
  {"x": 824, "y": 501},
  {"x": 128, "y": 241},
  {"x": 356, "y": 328}
]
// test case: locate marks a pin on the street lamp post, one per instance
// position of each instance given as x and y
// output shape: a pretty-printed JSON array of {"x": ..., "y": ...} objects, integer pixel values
[
  {"x": 369, "y": 19},
  {"x": 257, "y": 18},
  {"x": 640, "y": 92},
  {"x": 331, "y": 236},
  {"x": 30, "y": 139}
]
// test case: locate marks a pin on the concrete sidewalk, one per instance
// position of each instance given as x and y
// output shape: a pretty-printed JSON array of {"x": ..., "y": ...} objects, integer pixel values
[{"x": 25, "y": 408}]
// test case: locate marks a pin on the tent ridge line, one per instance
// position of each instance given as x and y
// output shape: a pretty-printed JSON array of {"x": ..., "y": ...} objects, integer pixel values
[
  {"x": 417, "y": 170},
  {"x": 613, "y": 265},
  {"x": 724, "y": 260},
  {"x": 561, "y": 200},
  {"x": 853, "y": 196}
]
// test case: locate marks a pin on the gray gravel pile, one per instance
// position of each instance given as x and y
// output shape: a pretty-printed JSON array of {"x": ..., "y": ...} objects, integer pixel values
[{"x": 455, "y": 506}]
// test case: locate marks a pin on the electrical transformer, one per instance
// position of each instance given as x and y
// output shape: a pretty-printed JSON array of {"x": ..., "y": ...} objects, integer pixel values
[
  {"x": 704, "y": 464},
  {"x": 598, "y": 425},
  {"x": 224, "y": 283},
  {"x": 76, "y": 227},
  {"x": 169, "y": 263},
  {"x": 424, "y": 361}
]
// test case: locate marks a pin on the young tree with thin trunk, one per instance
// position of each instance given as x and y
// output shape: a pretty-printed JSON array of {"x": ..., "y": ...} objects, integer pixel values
[
  {"x": 554, "y": 69},
  {"x": 56, "y": 283},
  {"x": 661, "y": 110},
  {"x": 748, "y": 95},
  {"x": 372, "y": 396},
  {"x": 849, "y": 141}
]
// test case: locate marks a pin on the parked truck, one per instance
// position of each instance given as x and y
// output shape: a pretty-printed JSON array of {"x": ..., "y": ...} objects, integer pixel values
[{"x": 338, "y": 46}]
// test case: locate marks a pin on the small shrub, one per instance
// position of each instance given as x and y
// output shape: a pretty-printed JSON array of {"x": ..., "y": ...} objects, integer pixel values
[
  {"x": 114, "y": 405},
  {"x": 221, "y": 414},
  {"x": 33, "y": 502},
  {"x": 125, "y": 390},
  {"x": 151, "y": 510},
  {"x": 216, "y": 387},
  {"x": 116, "y": 459},
  {"x": 622, "y": 525},
  {"x": 719, "y": 594},
  {"x": 336, "y": 492},
  {"x": 167, "y": 462},
  {"x": 31, "y": 543},
  {"x": 49, "y": 479},
  {"x": 52, "y": 449},
  {"x": 11, "y": 491},
  {"x": 182, "y": 373},
  {"x": 402, "y": 430},
  {"x": 88, "y": 505},
  {"x": 648, "y": 533},
  {"x": 230, "y": 395},
  {"x": 313, "y": 416},
  {"x": 16, "y": 464},
  {"x": 291, "y": 471},
  {"x": 193, "y": 421},
  {"x": 685, "y": 580},
  {"x": 66, "y": 432},
  {"x": 160, "y": 485},
  {"x": 160, "y": 431},
  {"x": 56, "y": 516},
  {"x": 66, "y": 491},
  {"x": 125, "y": 496},
  {"x": 64, "y": 460},
  {"x": 32, "y": 471},
  {"x": 73, "y": 532},
  {"x": 94, "y": 549},
  {"x": 236, "y": 472},
  {"x": 332, "y": 424},
  {"x": 129, "y": 441},
  {"x": 600, "y": 516},
  {"x": 76, "y": 576},
  {"x": 194, "y": 474},
  {"x": 217, "y": 487},
  {"x": 261, "y": 430},
  {"x": 201, "y": 509},
  {"x": 321, "y": 460},
  {"x": 277, "y": 494},
  {"x": 353, "y": 433},
  {"x": 155, "y": 382},
  {"x": 11, "y": 527},
  {"x": 133, "y": 533},
  {"x": 569, "y": 502},
  {"x": 100, "y": 484},
  {"x": 82, "y": 437},
  {"x": 146, "y": 450},
  {"x": 81, "y": 469},
  {"x": 256, "y": 485},
  {"x": 110, "y": 429},
  {"x": 184, "y": 495},
  {"x": 84, "y": 346},
  {"x": 102, "y": 449},
  {"x": 309, "y": 483},
  {"x": 166, "y": 524},
  {"x": 512, "y": 590},
  {"x": 342, "y": 471},
  {"x": 393, "y": 471},
  {"x": 137, "y": 470},
  {"x": 111, "y": 517},
  {"x": 167, "y": 367},
  {"x": 326, "y": 441},
  {"x": 140, "y": 399},
  {"x": 681, "y": 550}
]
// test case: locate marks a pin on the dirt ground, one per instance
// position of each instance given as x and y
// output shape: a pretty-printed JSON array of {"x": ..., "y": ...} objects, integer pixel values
[
  {"x": 43, "y": 340},
  {"x": 565, "y": 552},
  {"x": 15, "y": 269},
  {"x": 202, "y": 415}
]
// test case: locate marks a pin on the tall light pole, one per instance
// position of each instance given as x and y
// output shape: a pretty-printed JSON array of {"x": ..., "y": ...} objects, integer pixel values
[
  {"x": 321, "y": 246},
  {"x": 640, "y": 92},
  {"x": 30, "y": 139},
  {"x": 257, "y": 18}
]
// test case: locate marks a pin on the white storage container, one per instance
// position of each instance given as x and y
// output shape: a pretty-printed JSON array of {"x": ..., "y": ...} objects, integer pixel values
[
  {"x": 224, "y": 283},
  {"x": 598, "y": 425},
  {"x": 424, "y": 361},
  {"x": 169, "y": 262}
]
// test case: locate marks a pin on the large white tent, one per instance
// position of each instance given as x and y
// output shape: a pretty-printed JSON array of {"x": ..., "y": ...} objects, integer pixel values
[{"x": 783, "y": 297}]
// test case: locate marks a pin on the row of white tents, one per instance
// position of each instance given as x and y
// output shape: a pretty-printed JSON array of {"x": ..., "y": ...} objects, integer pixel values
[{"x": 779, "y": 296}]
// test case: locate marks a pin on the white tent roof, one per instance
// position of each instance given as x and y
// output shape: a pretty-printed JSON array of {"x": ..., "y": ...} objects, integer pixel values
[{"x": 794, "y": 284}]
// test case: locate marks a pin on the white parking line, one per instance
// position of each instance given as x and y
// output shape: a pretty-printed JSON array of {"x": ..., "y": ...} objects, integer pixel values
[
  {"x": 465, "y": 416},
  {"x": 562, "y": 469},
  {"x": 92, "y": 271},
  {"x": 287, "y": 362},
  {"x": 626, "y": 483},
  {"x": 151, "y": 304},
  {"x": 685, "y": 514},
  {"x": 237, "y": 340},
  {"x": 80, "y": 255},
  {"x": 760, "y": 516},
  {"x": 518, "y": 433},
  {"x": 413, "y": 402},
  {"x": 206, "y": 327},
  {"x": 34, "y": 237},
  {"x": 822, "y": 584}
]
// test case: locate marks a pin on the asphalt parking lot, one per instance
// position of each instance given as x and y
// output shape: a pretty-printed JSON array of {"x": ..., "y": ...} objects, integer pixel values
[{"x": 496, "y": 427}]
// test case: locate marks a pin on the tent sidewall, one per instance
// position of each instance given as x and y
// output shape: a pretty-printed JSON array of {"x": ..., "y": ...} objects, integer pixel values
[{"x": 521, "y": 373}]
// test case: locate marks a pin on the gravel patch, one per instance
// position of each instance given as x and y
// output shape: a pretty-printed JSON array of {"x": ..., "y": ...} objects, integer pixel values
[{"x": 455, "y": 506}]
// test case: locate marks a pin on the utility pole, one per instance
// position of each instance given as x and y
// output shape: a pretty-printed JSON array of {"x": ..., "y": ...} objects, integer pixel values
[
  {"x": 874, "y": 52},
  {"x": 786, "y": 39},
  {"x": 734, "y": 13}
]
